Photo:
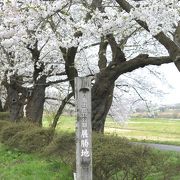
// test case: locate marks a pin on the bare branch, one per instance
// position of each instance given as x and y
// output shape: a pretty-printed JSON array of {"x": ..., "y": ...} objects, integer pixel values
[{"x": 56, "y": 82}]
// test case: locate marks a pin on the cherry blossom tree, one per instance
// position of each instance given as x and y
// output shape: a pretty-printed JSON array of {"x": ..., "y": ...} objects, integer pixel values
[
  {"x": 40, "y": 39},
  {"x": 29, "y": 57}
]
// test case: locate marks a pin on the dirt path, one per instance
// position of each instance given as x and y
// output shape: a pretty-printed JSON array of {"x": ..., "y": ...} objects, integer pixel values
[{"x": 161, "y": 146}]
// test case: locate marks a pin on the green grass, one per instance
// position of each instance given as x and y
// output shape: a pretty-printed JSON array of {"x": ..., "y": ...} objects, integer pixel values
[
  {"x": 65, "y": 123},
  {"x": 19, "y": 166},
  {"x": 165, "y": 131}
]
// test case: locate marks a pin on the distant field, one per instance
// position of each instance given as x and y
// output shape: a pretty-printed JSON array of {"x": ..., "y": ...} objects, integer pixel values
[
  {"x": 66, "y": 123},
  {"x": 165, "y": 131},
  {"x": 146, "y": 129}
]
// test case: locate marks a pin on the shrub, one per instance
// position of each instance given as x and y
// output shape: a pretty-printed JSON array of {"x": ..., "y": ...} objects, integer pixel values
[
  {"x": 107, "y": 155},
  {"x": 15, "y": 141},
  {"x": 4, "y": 124},
  {"x": 4, "y": 115},
  {"x": 112, "y": 156},
  {"x": 34, "y": 140},
  {"x": 63, "y": 146},
  {"x": 143, "y": 161},
  {"x": 171, "y": 166},
  {"x": 115, "y": 157},
  {"x": 12, "y": 129},
  {"x": 26, "y": 136}
]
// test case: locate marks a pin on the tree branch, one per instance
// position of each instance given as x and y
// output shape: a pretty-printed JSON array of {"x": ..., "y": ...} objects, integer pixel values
[
  {"x": 117, "y": 53},
  {"x": 140, "y": 61},
  {"x": 172, "y": 48},
  {"x": 56, "y": 82},
  {"x": 102, "y": 53},
  {"x": 57, "y": 74},
  {"x": 60, "y": 110}
]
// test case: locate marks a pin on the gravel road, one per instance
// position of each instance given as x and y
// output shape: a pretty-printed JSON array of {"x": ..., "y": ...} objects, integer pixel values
[{"x": 161, "y": 146}]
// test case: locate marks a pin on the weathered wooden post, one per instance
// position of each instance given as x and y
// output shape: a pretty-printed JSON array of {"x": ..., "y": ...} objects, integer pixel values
[{"x": 83, "y": 128}]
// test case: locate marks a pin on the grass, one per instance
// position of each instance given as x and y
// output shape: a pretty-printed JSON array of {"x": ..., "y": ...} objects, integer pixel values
[
  {"x": 17, "y": 165},
  {"x": 66, "y": 123},
  {"x": 20, "y": 166},
  {"x": 164, "y": 131},
  {"x": 173, "y": 160}
]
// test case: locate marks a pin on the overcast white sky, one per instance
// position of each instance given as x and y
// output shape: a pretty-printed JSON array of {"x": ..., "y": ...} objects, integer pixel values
[{"x": 173, "y": 78}]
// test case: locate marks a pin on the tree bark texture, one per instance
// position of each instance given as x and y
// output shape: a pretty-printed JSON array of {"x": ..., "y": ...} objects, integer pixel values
[
  {"x": 1, "y": 108},
  {"x": 15, "y": 97},
  {"x": 6, "y": 105},
  {"x": 16, "y": 103},
  {"x": 35, "y": 102},
  {"x": 69, "y": 58},
  {"x": 102, "y": 96},
  {"x": 60, "y": 110}
]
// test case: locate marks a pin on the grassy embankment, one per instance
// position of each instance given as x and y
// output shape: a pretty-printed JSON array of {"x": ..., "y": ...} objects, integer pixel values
[
  {"x": 165, "y": 131},
  {"x": 21, "y": 166}
]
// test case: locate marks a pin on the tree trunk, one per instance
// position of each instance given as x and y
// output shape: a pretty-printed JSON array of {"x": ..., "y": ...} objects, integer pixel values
[
  {"x": 1, "y": 108},
  {"x": 102, "y": 96},
  {"x": 6, "y": 105},
  {"x": 60, "y": 110},
  {"x": 16, "y": 95},
  {"x": 35, "y": 102},
  {"x": 16, "y": 103}
]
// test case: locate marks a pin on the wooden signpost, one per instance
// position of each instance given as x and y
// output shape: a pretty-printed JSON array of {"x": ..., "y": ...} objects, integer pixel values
[{"x": 83, "y": 129}]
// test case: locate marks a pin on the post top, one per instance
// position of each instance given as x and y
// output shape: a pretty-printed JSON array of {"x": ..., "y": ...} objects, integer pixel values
[{"x": 84, "y": 83}]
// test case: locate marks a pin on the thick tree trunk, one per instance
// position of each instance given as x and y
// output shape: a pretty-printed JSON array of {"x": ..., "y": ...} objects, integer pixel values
[
  {"x": 6, "y": 105},
  {"x": 102, "y": 96},
  {"x": 1, "y": 108},
  {"x": 35, "y": 103},
  {"x": 69, "y": 57},
  {"x": 16, "y": 96},
  {"x": 16, "y": 103}
]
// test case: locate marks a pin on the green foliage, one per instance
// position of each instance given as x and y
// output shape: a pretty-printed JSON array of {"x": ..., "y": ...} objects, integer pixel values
[
  {"x": 4, "y": 115},
  {"x": 106, "y": 156},
  {"x": 116, "y": 157},
  {"x": 63, "y": 146},
  {"x": 171, "y": 166}
]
